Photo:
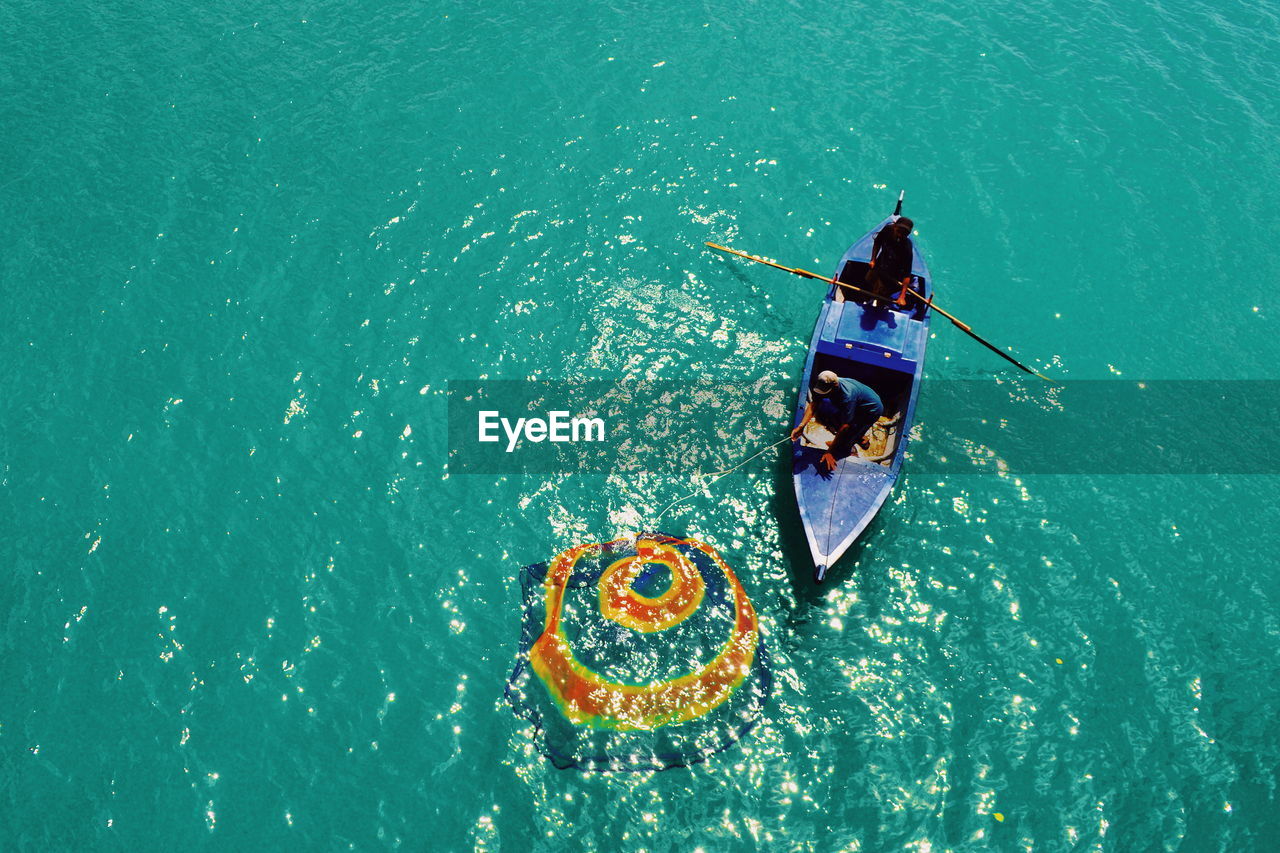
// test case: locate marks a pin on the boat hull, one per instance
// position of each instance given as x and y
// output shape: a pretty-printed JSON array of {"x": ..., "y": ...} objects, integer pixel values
[{"x": 882, "y": 347}]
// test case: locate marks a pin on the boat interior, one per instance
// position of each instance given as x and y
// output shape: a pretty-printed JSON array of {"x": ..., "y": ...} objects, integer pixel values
[{"x": 894, "y": 390}]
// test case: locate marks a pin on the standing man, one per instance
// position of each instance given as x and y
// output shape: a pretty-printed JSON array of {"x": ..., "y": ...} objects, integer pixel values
[
  {"x": 846, "y": 407},
  {"x": 891, "y": 258}
]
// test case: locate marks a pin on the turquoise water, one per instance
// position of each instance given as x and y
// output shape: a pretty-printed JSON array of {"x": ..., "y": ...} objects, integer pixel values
[{"x": 245, "y": 249}]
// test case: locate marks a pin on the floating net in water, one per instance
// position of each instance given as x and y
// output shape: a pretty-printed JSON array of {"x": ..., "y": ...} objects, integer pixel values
[{"x": 638, "y": 654}]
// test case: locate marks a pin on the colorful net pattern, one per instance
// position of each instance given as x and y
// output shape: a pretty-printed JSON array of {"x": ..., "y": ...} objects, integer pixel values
[{"x": 638, "y": 654}]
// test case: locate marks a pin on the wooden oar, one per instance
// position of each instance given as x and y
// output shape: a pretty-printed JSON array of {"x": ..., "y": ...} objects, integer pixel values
[
  {"x": 929, "y": 303},
  {"x": 968, "y": 330},
  {"x": 795, "y": 270}
]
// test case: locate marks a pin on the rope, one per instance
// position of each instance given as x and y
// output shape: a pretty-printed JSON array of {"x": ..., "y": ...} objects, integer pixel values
[{"x": 716, "y": 475}]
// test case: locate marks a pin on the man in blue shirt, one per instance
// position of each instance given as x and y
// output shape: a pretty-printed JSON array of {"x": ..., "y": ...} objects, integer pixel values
[{"x": 846, "y": 407}]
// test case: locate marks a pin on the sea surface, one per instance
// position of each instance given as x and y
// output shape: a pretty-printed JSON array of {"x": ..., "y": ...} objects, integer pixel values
[{"x": 244, "y": 248}]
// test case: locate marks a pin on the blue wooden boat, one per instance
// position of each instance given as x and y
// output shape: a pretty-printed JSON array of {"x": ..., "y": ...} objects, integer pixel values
[{"x": 882, "y": 347}]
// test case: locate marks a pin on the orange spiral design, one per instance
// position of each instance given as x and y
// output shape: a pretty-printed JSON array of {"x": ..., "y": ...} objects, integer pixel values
[
  {"x": 586, "y": 698},
  {"x": 622, "y": 604}
]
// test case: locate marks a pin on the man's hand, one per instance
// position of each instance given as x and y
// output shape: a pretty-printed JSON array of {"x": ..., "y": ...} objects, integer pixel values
[
  {"x": 829, "y": 461},
  {"x": 797, "y": 432}
]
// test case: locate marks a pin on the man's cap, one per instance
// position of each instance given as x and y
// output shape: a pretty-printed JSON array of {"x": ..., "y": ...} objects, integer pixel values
[
  {"x": 906, "y": 223},
  {"x": 825, "y": 383}
]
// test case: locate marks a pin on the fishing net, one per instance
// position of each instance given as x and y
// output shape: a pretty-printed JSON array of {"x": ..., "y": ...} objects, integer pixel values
[{"x": 638, "y": 654}]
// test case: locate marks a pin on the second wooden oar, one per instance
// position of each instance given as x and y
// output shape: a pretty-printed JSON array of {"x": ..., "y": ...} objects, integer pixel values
[
  {"x": 929, "y": 303},
  {"x": 968, "y": 330}
]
